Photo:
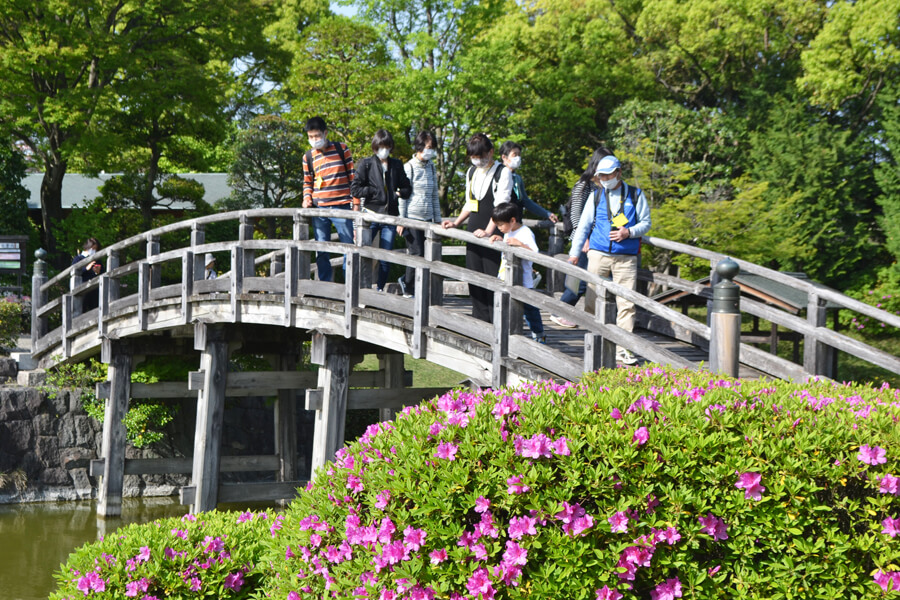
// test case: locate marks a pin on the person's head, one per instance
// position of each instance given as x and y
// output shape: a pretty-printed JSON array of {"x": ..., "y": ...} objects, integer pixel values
[
  {"x": 607, "y": 173},
  {"x": 382, "y": 144},
  {"x": 91, "y": 245},
  {"x": 480, "y": 150},
  {"x": 507, "y": 217},
  {"x": 209, "y": 260},
  {"x": 511, "y": 154},
  {"x": 596, "y": 157},
  {"x": 317, "y": 132},
  {"x": 425, "y": 145}
]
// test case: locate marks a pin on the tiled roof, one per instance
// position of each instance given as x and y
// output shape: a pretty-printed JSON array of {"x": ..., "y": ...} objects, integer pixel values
[{"x": 77, "y": 189}]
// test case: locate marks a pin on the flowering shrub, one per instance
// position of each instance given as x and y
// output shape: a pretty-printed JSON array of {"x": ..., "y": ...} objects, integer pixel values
[
  {"x": 886, "y": 296},
  {"x": 212, "y": 555},
  {"x": 15, "y": 319},
  {"x": 641, "y": 483}
]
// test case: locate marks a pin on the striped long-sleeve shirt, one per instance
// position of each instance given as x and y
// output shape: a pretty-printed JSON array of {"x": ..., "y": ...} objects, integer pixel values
[{"x": 328, "y": 183}]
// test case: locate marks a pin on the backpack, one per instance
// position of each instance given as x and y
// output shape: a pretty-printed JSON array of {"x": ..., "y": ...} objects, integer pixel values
[{"x": 568, "y": 226}]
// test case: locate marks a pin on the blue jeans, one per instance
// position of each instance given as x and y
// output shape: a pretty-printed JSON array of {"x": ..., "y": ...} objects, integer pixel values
[
  {"x": 570, "y": 297},
  {"x": 322, "y": 230},
  {"x": 533, "y": 318},
  {"x": 387, "y": 233}
]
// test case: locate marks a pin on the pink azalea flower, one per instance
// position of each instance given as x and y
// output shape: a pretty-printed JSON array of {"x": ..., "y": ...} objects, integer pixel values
[
  {"x": 889, "y": 485},
  {"x": 515, "y": 554},
  {"x": 607, "y": 593},
  {"x": 713, "y": 570},
  {"x": 234, "y": 581},
  {"x": 515, "y": 486},
  {"x": 354, "y": 483},
  {"x": 413, "y": 539},
  {"x": 210, "y": 545},
  {"x": 669, "y": 590},
  {"x": 446, "y": 451},
  {"x": 245, "y": 516},
  {"x": 479, "y": 551},
  {"x": 888, "y": 581},
  {"x": 196, "y": 584},
  {"x": 714, "y": 526},
  {"x": 669, "y": 535},
  {"x": 616, "y": 414},
  {"x": 143, "y": 555},
  {"x": 872, "y": 455},
  {"x": 750, "y": 482},
  {"x": 381, "y": 501},
  {"x": 560, "y": 447},
  {"x": 619, "y": 522},
  {"x": 482, "y": 504},
  {"x": 438, "y": 556},
  {"x": 480, "y": 584},
  {"x": 891, "y": 527},
  {"x": 520, "y": 526},
  {"x": 640, "y": 437},
  {"x": 293, "y": 596}
]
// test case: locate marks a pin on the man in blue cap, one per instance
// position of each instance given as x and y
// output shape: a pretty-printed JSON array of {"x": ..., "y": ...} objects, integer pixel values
[{"x": 613, "y": 220}]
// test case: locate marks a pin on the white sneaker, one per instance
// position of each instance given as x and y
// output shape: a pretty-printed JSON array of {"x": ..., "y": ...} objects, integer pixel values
[
  {"x": 626, "y": 357},
  {"x": 563, "y": 322}
]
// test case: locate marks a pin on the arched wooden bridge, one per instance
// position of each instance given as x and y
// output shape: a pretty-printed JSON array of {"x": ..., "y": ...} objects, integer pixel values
[{"x": 153, "y": 299}]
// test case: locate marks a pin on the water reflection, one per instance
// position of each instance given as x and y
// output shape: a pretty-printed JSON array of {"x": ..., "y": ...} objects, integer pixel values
[{"x": 35, "y": 539}]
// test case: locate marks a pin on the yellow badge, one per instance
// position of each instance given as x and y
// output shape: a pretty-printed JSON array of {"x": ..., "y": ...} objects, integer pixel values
[
  {"x": 318, "y": 182},
  {"x": 620, "y": 220}
]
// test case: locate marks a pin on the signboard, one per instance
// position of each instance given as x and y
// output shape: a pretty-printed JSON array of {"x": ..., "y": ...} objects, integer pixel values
[{"x": 13, "y": 255}]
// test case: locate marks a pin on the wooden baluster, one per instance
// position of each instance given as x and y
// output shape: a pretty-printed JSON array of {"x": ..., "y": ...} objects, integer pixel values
[
  {"x": 118, "y": 355},
  {"x": 210, "y": 341},
  {"x": 500, "y": 345},
  {"x": 38, "y": 297},
  {"x": 817, "y": 357}
]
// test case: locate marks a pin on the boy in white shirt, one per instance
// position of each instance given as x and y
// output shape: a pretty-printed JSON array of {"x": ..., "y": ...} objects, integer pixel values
[{"x": 508, "y": 220}]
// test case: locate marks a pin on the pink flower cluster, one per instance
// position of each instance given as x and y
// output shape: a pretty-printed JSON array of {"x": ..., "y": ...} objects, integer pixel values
[
  {"x": 872, "y": 455},
  {"x": 750, "y": 483},
  {"x": 714, "y": 526},
  {"x": 575, "y": 519},
  {"x": 540, "y": 446},
  {"x": 888, "y": 581}
]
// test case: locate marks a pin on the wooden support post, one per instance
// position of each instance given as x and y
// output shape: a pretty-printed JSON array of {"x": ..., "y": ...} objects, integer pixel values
[
  {"x": 143, "y": 294},
  {"x": 500, "y": 345},
  {"x": 555, "y": 245},
  {"x": 237, "y": 282},
  {"x": 286, "y": 424},
  {"x": 364, "y": 238},
  {"x": 156, "y": 270},
  {"x": 276, "y": 265},
  {"x": 68, "y": 302},
  {"x": 74, "y": 282},
  {"x": 113, "y": 263},
  {"x": 391, "y": 365},
  {"x": 119, "y": 358},
  {"x": 513, "y": 276},
  {"x": 351, "y": 292},
  {"x": 198, "y": 238},
  {"x": 773, "y": 339},
  {"x": 210, "y": 340},
  {"x": 421, "y": 305},
  {"x": 817, "y": 357},
  {"x": 301, "y": 234},
  {"x": 600, "y": 352},
  {"x": 291, "y": 277},
  {"x": 725, "y": 321},
  {"x": 187, "y": 286},
  {"x": 248, "y": 257},
  {"x": 333, "y": 356},
  {"x": 433, "y": 252},
  {"x": 103, "y": 304},
  {"x": 38, "y": 297}
]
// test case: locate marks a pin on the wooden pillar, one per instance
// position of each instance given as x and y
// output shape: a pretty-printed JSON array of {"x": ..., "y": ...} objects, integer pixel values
[
  {"x": 198, "y": 238},
  {"x": 433, "y": 253},
  {"x": 330, "y": 398},
  {"x": 301, "y": 234},
  {"x": 156, "y": 270},
  {"x": 74, "y": 282},
  {"x": 600, "y": 352},
  {"x": 210, "y": 340},
  {"x": 352, "y": 282},
  {"x": 38, "y": 297},
  {"x": 286, "y": 424},
  {"x": 500, "y": 345},
  {"x": 421, "y": 311},
  {"x": 513, "y": 276},
  {"x": 237, "y": 282},
  {"x": 248, "y": 257},
  {"x": 112, "y": 263},
  {"x": 118, "y": 356},
  {"x": 817, "y": 357},
  {"x": 391, "y": 365},
  {"x": 144, "y": 285},
  {"x": 364, "y": 237}
]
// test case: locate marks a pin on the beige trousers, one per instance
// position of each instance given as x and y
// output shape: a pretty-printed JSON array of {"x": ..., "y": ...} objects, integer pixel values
[{"x": 622, "y": 268}]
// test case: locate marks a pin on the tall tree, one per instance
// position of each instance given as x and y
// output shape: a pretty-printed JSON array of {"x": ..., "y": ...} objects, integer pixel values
[{"x": 13, "y": 195}]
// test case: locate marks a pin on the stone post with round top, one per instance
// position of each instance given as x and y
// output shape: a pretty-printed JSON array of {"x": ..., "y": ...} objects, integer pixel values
[{"x": 725, "y": 321}]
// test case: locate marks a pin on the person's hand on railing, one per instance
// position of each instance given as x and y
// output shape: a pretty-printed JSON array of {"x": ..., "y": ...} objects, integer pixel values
[
  {"x": 496, "y": 238},
  {"x": 479, "y": 233},
  {"x": 448, "y": 224},
  {"x": 573, "y": 260},
  {"x": 553, "y": 218}
]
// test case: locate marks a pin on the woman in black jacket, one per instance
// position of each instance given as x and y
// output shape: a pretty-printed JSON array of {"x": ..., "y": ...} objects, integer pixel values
[{"x": 379, "y": 182}]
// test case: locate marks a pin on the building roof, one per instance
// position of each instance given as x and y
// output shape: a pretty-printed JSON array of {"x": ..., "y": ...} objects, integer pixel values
[{"x": 79, "y": 189}]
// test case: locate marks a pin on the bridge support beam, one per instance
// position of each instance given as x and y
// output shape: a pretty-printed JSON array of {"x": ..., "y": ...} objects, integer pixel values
[
  {"x": 333, "y": 357},
  {"x": 391, "y": 366},
  {"x": 599, "y": 352},
  {"x": 119, "y": 358},
  {"x": 286, "y": 424},
  {"x": 210, "y": 340}
]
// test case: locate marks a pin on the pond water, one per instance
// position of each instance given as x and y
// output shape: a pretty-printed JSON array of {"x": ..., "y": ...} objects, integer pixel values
[{"x": 36, "y": 538}]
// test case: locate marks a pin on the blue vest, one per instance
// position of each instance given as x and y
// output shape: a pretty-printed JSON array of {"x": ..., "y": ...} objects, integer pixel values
[{"x": 602, "y": 224}]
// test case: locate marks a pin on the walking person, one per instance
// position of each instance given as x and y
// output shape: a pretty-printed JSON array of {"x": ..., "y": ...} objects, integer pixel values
[
  {"x": 612, "y": 223},
  {"x": 487, "y": 185},
  {"x": 379, "y": 182},
  {"x": 581, "y": 191},
  {"x": 327, "y": 174},
  {"x": 511, "y": 155},
  {"x": 507, "y": 217},
  {"x": 91, "y": 299},
  {"x": 422, "y": 204}
]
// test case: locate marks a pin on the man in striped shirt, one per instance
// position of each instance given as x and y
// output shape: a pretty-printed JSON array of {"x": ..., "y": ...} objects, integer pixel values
[{"x": 327, "y": 173}]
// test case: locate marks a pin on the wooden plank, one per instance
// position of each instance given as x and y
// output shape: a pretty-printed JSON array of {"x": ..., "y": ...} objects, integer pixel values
[
  {"x": 237, "y": 282},
  {"x": 109, "y": 501},
  {"x": 381, "y": 398},
  {"x": 291, "y": 274},
  {"x": 210, "y": 411},
  {"x": 249, "y": 492},
  {"x": 462, "y": 324},
  {"x": 184, "y": 465},
  {"x": 351, "y": 292},
  {"x": 187, "y": 286},
  {"x": 391, "y": 367},
  {"x": 500, "y": 341},
  {"x": 551, "y": 360},
  {"x": 331, "y": 417},
  {"x": 421, "y": 306},
  {"x": 286, "y": 423},
  {"x": 143, "y": 294}
]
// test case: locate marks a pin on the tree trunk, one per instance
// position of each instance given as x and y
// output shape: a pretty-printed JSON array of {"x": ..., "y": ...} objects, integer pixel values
[{"x": 51, "y": 208}]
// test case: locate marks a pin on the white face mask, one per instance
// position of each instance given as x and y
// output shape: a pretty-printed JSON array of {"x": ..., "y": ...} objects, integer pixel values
[
  {"x": 610, "y": 184},
  {"x": 318, "y": 144},
  {"x": 481, "y": 163},
  {"x": 428, "y": 153},
  {"x": 383, "y": 153},
  {"x": 514, "y": 162}
]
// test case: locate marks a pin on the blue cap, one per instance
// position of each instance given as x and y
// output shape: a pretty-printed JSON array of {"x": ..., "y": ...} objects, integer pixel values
[{"x": 607, "y": 164}]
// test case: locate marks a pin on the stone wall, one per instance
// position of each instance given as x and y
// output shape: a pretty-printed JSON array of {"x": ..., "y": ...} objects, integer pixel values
[{"x": 52, "y": 441}]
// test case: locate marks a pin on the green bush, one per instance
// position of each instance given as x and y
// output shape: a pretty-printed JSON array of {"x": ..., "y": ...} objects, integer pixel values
[
  {"x": 643, "y": 482},
  {"x": 15, "y": 319},
  {"x": 210, "y": 556},
  {"x": 647, "y": 483}
]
